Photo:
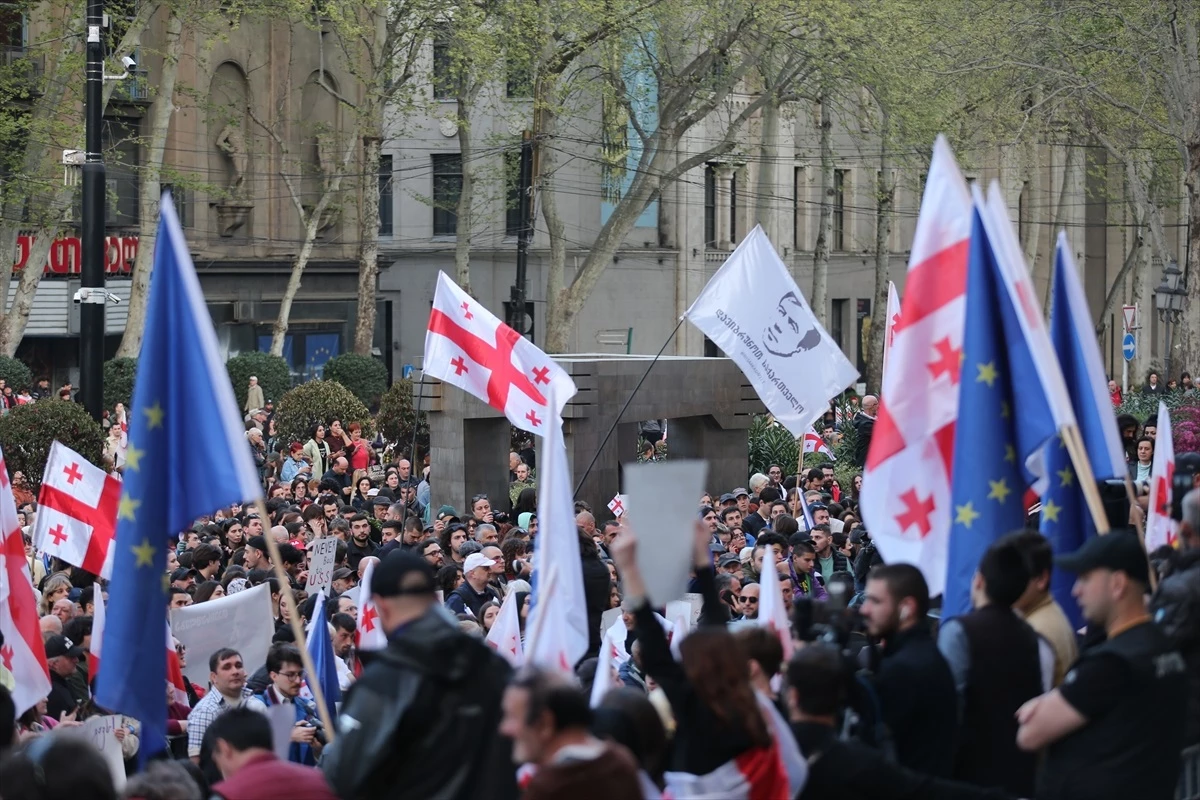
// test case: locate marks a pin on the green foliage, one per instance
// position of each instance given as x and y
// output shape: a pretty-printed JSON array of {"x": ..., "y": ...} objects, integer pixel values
[
  {"x": 771, "y": 444},
  {"x": 1145, "y": 407},
  {"x": 28, "y": 431},
  {"x": 366, "y": 376},
  {"x": 397, "y": 417},
  {"x": 318, "y": 402},
  {"x": 119, "y": 374},
  {"x": 273, "y": 373},
  {"x": 15, "y": 374}
]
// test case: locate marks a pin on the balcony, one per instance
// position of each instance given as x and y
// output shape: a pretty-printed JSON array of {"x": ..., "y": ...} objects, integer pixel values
[{"x": 134, "y": 89}]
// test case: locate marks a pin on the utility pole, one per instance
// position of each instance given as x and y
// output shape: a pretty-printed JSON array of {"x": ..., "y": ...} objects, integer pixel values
[
  {"x": 516, "y": 314},
  {"x": 92, "y": 295}
]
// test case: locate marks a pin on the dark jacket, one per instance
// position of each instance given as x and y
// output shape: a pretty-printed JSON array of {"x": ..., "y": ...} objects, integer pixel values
[
  {"x": 596, "y": 594},
  {"x": 840, "y": 564},
  {"x": 422, "y": 720},
  {"x": 1176, "y": 609},
  {"x": 864, "y": 427},
  {"x": 919, "y": 702},
  {"x": 841, "y": 770},
  {"x": 266, "y": 777}
]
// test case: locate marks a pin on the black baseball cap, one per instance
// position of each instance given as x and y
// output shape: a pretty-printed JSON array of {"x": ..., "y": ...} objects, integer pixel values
[
  {"x": 258, "y": 543},
  {"x": 1119, "y": 551},
  {"x": 59, "y": 645},
  {"x": 402, "y": 573},
  {"x": 182, "y": 573},
  {"x": 727, "y": 559},
  {"x": 728, "y": 497}
]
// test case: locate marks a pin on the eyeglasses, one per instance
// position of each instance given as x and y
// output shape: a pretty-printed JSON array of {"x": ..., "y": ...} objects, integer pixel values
[
  {"x": 291, "y": 676},
  {"x": 748, "y": 599}
]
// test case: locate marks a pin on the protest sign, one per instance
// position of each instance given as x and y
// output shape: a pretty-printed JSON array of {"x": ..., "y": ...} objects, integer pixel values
[
  {"x": 662, "y": 509},
  {"x": 243, "y": 621},
  {"x": 321, "y": 555},
  {"x": 101, "y": 733}
]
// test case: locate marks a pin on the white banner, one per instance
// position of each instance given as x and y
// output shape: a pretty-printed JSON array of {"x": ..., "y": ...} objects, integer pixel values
[
  {"x": 321, "y": 555},
  {"x": 753, "y": 310},
  {"x": 242, "y": 621}
]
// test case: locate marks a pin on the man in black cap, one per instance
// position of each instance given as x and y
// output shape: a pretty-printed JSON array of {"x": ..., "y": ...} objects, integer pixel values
[
  {"x": 1114, "y": 729},
  {"x": 62, "y": 657},
  {"x": 422, "y": 720},
  {"x": 256, "y": 555}
]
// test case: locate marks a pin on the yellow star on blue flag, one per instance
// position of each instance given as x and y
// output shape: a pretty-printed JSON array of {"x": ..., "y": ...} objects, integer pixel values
[
  {"x": 184, "y": 414},
  {"x": 1003, "y": 418}
]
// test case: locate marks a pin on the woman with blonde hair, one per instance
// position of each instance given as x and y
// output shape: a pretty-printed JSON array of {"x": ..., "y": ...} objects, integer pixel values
[{"x": 57, "y": 587}]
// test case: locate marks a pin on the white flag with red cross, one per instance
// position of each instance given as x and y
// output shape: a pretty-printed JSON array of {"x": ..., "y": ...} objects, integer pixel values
[
  {"x": 1161, "y": 529},
  {"x": 77, "y": 512},
  {"x": 22, "y": 653},
  {"x": 467, "y": 346},
  {"x": 813, "y": 443},
  {"x": 505, "y": 635},
  {"x": 369, "y": 635},
  {"x": 906, "y": 483}
]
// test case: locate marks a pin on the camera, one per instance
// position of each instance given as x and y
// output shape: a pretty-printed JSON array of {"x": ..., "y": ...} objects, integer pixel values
[{"x": 128, "y": 62}]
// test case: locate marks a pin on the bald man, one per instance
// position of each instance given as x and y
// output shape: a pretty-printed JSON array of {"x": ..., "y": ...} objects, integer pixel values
[
  {"x": 51, "y": 626},
  {"x": 864, "y": 426}
]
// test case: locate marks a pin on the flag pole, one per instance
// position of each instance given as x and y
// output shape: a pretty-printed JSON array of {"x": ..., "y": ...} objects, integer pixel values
[
  {"x": 1087, "y": 479},
  {"x": 628, "y": 400},
  {"x": 285, "y": 591},
  {"x": 799, "y": 471}
]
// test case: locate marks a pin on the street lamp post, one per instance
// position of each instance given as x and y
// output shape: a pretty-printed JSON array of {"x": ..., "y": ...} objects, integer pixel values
[{"x": 1169, "y": 298}]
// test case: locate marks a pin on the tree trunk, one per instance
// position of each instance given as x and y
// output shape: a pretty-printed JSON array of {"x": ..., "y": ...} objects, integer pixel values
[
  {"x": 465, "y": 223},
  {"x": 885, "y": 195},
  {"x": 825, "y": 223},
  {"x": 769, "y": 191},
  {"x": 1071, "y": 169},
  {"x": 1031, "y": 172},
  {"x": 557, "y": 326},
  {"x": 150, "y": 189},
  {"x": 368, "y": 248},
  {"x": 13, "y": 328}
]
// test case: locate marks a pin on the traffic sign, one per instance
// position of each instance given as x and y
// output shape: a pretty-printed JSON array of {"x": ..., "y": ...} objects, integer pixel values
[
  {"x": 1128, "y": 347},
  {"x": 1130, "y": 315}
]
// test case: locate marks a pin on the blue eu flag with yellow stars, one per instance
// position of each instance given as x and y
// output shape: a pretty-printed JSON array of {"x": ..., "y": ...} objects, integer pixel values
[
  {"x": 1066, "y": 521},
  {"x": 183, "y": 414},
  {"x": 1004, "y": 414}
]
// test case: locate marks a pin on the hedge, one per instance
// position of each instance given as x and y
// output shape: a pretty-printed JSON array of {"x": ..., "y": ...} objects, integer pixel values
[
  {"x": 28, "y": 431},
  {"x": 396, "y": 417},
  {"x": 15, "y": 374},
  {"x": 273, "y": 373},
  {"x": 365, "y": 376},
  {"x": 318, "y": 401},
  {"x": 119, "y": 374}
]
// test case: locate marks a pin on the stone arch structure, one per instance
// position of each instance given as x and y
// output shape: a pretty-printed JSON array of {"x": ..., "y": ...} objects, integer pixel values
[{"x": 231, "y": 165}]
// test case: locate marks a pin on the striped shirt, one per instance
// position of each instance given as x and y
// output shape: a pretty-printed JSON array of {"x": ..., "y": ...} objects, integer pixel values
[{"x": 211, "y": 706}]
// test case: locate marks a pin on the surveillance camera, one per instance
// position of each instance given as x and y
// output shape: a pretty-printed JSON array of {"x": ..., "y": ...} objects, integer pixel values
[{"x": 128, "y": 62}]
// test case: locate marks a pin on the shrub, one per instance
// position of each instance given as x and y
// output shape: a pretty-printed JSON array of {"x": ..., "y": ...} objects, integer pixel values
[
  {"x": 318, "y": 401},
  {"x": 365, "y": 376},
  {"x": 28, "y": 431},
  {"x": 771, "y": 444},
  {"x": 397, "y": 417},
  {"x": 273, "y": 373},
  {"x": 119, "y": 375},
  {"x": 15, "y": 374}
]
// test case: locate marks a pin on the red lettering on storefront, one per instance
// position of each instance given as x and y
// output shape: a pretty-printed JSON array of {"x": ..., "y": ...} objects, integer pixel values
[{"x": 66, "y": 254}]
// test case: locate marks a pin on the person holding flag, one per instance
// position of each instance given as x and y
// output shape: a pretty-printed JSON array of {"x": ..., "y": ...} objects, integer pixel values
[{"x": 184, "y": 410}]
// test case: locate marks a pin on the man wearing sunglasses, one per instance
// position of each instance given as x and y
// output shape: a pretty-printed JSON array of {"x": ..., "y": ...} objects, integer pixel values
[{"x": 748, "y": 598}]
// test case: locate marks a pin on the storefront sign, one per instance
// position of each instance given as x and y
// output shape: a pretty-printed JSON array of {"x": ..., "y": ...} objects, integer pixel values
[{"x": 66, "y": 254}]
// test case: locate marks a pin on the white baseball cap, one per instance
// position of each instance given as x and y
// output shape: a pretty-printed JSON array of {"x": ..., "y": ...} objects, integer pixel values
[{"x": 477, "y": 560}]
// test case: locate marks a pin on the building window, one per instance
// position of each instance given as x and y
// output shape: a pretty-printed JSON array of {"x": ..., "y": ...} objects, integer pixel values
[
  {"x": 183, "y": 203},
  {"x": 512, "y": 193},
  {"x": 839, "y": 209},
  {"x": 733, "y": 211},
  {"x": 442, "y": 72},
  {"x": 837, "y": 323},
  {"x": 518, "y": 80},
  {"x": 385, "y": 195},
  {"x": 447, "y": 186},
  {"x": 13, "y": 32},
  {"x": 710, "y": 206}
]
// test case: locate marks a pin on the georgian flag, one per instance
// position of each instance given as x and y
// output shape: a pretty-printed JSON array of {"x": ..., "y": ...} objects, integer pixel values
[
  {"x": 813, "y": 443},
  {"x": 77, "y": 512},
  {"x": 467, "y": 346},
  {"x": 1160, "y": 528},
  {"x": 505, "y": 635},
  {"x": 369, "y": 634}
]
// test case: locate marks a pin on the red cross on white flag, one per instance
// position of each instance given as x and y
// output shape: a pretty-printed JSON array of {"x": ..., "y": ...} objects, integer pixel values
[
  {"x": 467, "y": 346},
  {"x": 22, "y": 653},
  {"x": 77, "y": 512},
  {"x": 505, "y": 635},
  {"x": 813, "y": 443},
  {"x": 617, "y": 504},
  {"x": 370, "y": 635}
]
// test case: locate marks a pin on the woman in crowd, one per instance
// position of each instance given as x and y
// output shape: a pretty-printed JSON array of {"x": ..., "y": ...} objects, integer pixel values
[
  {"x": 317, "y": 451},
  {"x": 360, "y": 498},
  {"x": 721, "y": 731},
  {"x": 57, "y": 587},
  {"x": 487, "y": 615},
  {"x": 209, "y": 590},
  {"x": 449, "y": 578}
]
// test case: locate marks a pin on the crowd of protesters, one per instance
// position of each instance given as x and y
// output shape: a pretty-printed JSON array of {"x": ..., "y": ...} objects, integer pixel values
[{"x": 878, "y": 701}]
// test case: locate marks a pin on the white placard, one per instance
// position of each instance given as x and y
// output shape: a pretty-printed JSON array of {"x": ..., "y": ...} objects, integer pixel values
[
  {"x": 101, "y": 733},
  {"x": 321, "y": 555},
  {"x": 662, "y": 509},
  {"x": 242, "y": 621}
]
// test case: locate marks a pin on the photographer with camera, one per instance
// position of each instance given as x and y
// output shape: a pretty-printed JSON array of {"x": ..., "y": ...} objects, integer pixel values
[
  {"x": 913, "y": 681},
  {"x": 817, "y": 687},
  {"x": 286, "y": 671}
]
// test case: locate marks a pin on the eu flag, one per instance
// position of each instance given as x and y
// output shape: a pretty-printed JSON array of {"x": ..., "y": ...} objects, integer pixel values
[
  {"x": 183, "y": 414},
  {"x": 1066, "y": 521},
  {"x": 1004, "y": 414},
  {"x": 320, "y": 647}
]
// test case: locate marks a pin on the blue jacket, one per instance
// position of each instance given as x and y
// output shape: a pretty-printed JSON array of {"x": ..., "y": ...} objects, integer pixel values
[{"x": 298, "y": 753}]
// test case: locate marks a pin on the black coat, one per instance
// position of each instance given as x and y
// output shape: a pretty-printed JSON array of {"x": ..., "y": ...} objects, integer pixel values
[
  {"x": 839, "y": 770},
  {"x": 596, "y": 583},
  {"x": 864, "y": 427},
  {"x": 919, "y": 702},
  {"x": 422, "y": 720},
  {"x": 1176, "y": 609}
]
